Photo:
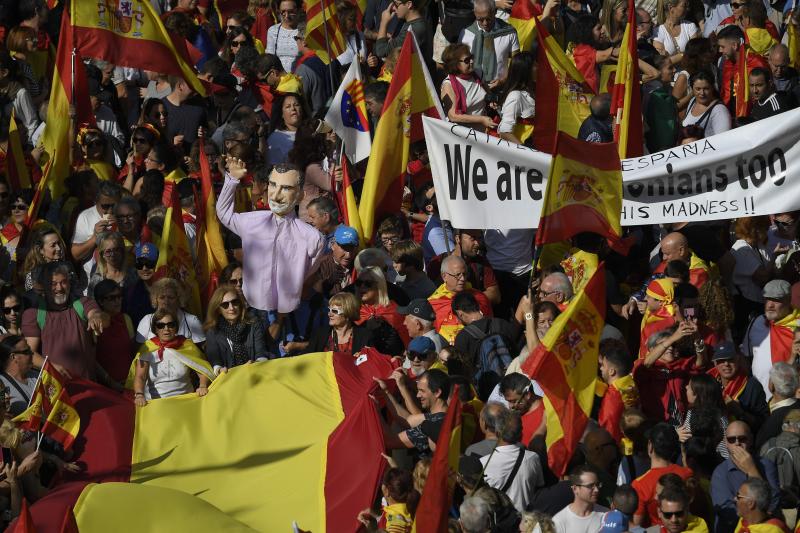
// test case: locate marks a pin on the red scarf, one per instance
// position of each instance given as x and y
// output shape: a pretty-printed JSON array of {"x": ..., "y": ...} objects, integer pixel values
[
  {"x": 305, "y": 57},
  {"x": 735, "y": 387},
  {"x": 10, "y": 231},
  {"x": 459, "y": 91},
  {"x": 175, "y": 343}
]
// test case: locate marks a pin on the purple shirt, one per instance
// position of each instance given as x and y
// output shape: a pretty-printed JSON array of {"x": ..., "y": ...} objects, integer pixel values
[{"x": 278, "y": 252}]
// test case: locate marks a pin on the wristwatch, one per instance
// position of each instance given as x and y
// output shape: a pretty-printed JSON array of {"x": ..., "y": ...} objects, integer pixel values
[{"x": 528, "y": 316}]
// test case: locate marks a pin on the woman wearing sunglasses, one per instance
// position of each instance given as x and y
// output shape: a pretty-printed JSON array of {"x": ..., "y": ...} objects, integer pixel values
[
  {"x": 164, "y": 365},
  {"x": 11, "y": 316},
  {"x": 234, "y": 336},
  {"x": 376, "y": 306},
  {"x": 112, "y": 262},
  {"x": 342, "y": 333},
  {"x": 10, "y": 233}
]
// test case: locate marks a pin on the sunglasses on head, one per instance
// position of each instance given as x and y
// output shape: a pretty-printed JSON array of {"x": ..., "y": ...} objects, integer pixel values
[
  {"x": 141, "y": 264},
  {"x": 231, "y": 303},
  {"x": 165, "y": 325},
  {"x": 15, "y": 308},
  {"x": 669, "y": 514}
]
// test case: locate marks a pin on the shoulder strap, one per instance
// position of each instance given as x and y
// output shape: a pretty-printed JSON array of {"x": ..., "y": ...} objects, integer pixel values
[
  {"x": 475, "y": 332},
  {"x": 16, "y": 386},
  {"x": 704, "y": 118},
  {"x": 78, "y": 306},
  {"x": 514, "y": 471},
  {"x": 41, "y": 313}
]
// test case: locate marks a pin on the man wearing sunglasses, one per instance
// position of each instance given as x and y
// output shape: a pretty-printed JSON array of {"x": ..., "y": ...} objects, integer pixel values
[
  {"x": 16, "y": 372},
  {"x": 673, "y": 511},
  {"x": 93, "y": 221},
  {"x": 729, "y": 476}
]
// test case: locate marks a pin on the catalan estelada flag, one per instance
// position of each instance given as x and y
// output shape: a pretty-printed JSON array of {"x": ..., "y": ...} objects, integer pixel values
[
  {"x": 410, "y": 96},
  {"x": 434, "y": 505},
  {"x": 211, "y": 257},
  {"x": 524, "y": 17},
  {"x": 174, "y": 255},
  {"x": 52, "y": 405},
  {"x": 562, "y": 94},
  {"x": 223, "y": 462},
  {"x": 626, "y": 97},
  {"x": 323, "y": 22},
  {"x": 565, "y": 366},
  {"x": 16, "y": 169},
  {"x": 584, "y": 192},
  {"x": 347, "y": 115},
  {"x": 131, "y": 34}
]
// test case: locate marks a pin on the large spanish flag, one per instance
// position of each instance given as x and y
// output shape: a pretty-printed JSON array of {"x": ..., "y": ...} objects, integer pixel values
[
  {"x": 562, "y": 94},
  {"x": 323, "y": 31},
  {"x": 211, "y": 256},
  {"x": 174, "y": 255},
  {"x": 294, "y": 439},
  {"x": 626, "y": 97},
  {"x": 523, "y": 17},
  {"x": 131, "y": 34},
  {"x": 565, "y": 366},
  {"x": 411, "y": 95},
  {"x": 434, "y": 505},
  {"x": 584, "y": 192}
]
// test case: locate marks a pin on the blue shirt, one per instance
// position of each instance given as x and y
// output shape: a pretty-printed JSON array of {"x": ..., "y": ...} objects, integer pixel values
[
  {"x": 725, "y": 483},
  {"x": 433, "y": 239}
]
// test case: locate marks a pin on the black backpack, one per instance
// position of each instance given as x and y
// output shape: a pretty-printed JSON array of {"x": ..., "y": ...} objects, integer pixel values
[{"x": 492, "y": 358}]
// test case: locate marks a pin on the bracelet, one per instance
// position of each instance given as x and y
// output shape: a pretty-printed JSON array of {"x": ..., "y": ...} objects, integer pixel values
[{"x": 135, "y": 394}]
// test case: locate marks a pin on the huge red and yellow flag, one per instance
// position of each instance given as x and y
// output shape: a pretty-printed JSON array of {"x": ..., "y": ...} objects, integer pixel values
[
  {"x": 434, "y": 505},
  {"x": 130, "y": 33},
  {"x": 211, "y": 256},
  {"x": 626, "y": 97},
  {"x": 410, "y": 96},
  {"x": 16, "y": 170},
  {"x": 174, "y": 255},
  {"x": 584, "y": 192},
  {"x": 322, "y": 22},
  {"x": 225, "y": 463},
  {"x": 565, "y": 366},
  {"x": 55, "y": 138},
  {"x": 523, "y": 17},
  {"x": 562, "y": 95}
]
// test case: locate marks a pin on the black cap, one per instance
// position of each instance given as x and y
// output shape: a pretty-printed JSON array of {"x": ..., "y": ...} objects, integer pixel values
[{"x": 420, "y": 308}]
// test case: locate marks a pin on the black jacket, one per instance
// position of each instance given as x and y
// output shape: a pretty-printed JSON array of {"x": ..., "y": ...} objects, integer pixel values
[
  {"x": 773, "y": 425},
  {"x": 362, "y": 336},
  {"x": 219, "y": 352}
]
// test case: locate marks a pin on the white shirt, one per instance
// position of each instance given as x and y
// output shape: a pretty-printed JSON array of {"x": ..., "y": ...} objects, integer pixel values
[
  {"x": 476, "y": 96},
  {"x": 504, "y": 47},
  {"x": 510, "y": 250},
  {"x": 673, "y": 44},
  {"x": 166, "y": 377},
  {"x": 84, "y": 229},
  {"x": 356, "y": 45},
  {"x": 189, "y": 326},
  {"x": 718, "y": 121},
  {"x": 518, "y": 104},
  {"x": 757, "y": 343},
  {"x": 526, "y": 481},
  {"x": 280, "y": 42},
  {"x": 568, "y": 522},
  {"x": 748, "y": 259}
]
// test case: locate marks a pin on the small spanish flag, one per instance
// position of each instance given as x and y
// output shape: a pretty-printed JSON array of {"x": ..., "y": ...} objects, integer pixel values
[
  {"x": 565, "y": 366},
  {"x": 211, "y": 257}
]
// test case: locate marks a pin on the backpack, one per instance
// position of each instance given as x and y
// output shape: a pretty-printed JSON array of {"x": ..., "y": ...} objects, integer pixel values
[
  {"x": 41, "y": 313},
  {"x": 492, "y": 359},
  {"x": 785, "y": 453}
]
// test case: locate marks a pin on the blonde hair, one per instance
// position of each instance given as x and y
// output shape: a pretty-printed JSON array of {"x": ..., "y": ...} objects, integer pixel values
[
  {"x": 214, "y": 303},
  {"x": 101, "y": 259},
  {"x": 531, "y": 520},
  {"x": 607, "y": 16},
  {"x": 165, "y": 285},
  {"x": 375, "y": 275},
  {"x": 662, "y": 9},
  {"x": 350, "y": 304},
  {"x": 420, "y": 474}
]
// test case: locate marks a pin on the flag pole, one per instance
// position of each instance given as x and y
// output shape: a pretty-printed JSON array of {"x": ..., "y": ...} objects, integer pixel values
[
  {"x": 327, "y": 42},
  {"x": 38, "y": 378}
]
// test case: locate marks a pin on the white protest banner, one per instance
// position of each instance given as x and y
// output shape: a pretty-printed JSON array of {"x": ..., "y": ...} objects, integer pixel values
[{"x": 485, "y": 182}]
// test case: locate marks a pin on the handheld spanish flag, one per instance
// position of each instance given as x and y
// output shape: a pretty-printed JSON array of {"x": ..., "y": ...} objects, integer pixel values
[
  {"x": 411, "y": 95},
  {"x": 434, "y": 505},
  {"x": 565, "y": 366},
  {"x": 16, "y": 170},
  {"x": 562, "y": 94},
  {"x": 132, "y": 35},
  {"x": 174, "y": 255},
  {"x": 24, "y": 523},
  {"x": 211, "y": 257},
  {"x": 741, "y": 83},
  {"x": 523, "y": 17},
  {"x": 626, "y": 97},
  {"x": 323, "y": 32},
  {"x": 584, "y": 192}
]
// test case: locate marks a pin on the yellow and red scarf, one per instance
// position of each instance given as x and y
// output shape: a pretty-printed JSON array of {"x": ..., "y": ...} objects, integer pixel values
[
  {"x": 735, "y": 387},
  {"x": 184, "y": 349},
  {"x": 662, "y": 290}
]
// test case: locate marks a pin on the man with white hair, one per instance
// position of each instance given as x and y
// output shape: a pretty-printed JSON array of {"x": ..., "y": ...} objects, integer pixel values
[
  {"x": 492, "y": 42},
  {"x": 783, "y": 385},
  {"x": 454, "y": 274},
  {"x": 556, "y": 288},
  {"x": 474, "y": 513}
]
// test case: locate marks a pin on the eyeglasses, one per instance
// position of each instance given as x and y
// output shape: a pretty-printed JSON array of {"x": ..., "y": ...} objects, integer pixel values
[
  {"x": 112, "y": 251},
  {"x": 154, "y": 161},
  {"x": 236, "y": 281},
  {"x": 669, "y": 514},
  {"x": 335, "y": 311},
  {"x": 742, "y": 497},
  {"x": 19, "y": 207},
  {"x": 107, "y": 207},
  {"x": 546, "y": 293},
  {"x": 141, "y": 264},
  {"x": 231, "y": 303},
  {"x": 166, "y": 325},
  {"x": 140, "y": 140},
  {"x": 390, "y": 240},
  {"x": 459, "y": 275},
  {"x": 116, "y": 296},
  {"x": 741, "y": 439},
  {"x": 591, "y": 486},
  {"x": 23, "y": 352},
  {"x": 14, "y": 308},
  {"x": 467, "y": 60},
  {"x": 782, "y": 224},
  {"x": 34, "y": 40}
]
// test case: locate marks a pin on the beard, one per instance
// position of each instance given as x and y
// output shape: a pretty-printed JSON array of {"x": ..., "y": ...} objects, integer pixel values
[
  {"x": 281, "y": 208},
  {"x": 60, "y": 299}
]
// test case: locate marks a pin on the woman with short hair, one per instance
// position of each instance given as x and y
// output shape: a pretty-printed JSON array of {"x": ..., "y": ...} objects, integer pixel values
[{"x": 167, "y": 293}]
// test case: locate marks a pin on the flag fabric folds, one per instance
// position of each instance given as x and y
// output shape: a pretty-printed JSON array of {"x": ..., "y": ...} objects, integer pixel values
[
  {"x": 436, "y": 499},
  {"x": 347, "y": 204},
  {"x": 565, "y": 366},
  {"x": 347, "y": 115},
  {"x": 411, "y": 95},
  {"x": 562, "y": 95},
  {"x": 584, "y": 192},
  {"x": 211, "y": 256},
  {"x": 16, "y": 170},
  {"x": 741, "y": 84},
  {"x": 174, "y": 255},
  {"x": 524, "y": 19},
  {"x": 626, "y": 97},
  {"x": 132, "y": 35},
  {"x": 323, "y": 22}
]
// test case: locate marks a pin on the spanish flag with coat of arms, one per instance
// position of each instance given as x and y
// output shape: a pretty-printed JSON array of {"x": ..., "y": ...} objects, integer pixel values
[{"x": 565, "y": 366}]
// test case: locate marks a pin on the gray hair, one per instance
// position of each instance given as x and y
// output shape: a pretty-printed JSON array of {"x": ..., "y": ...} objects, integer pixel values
[
  {"x": 323, "y": 204},
  {"x": 492, "y": 415},
  {"x": 282, "y": 168},
  {"x": 485, "y": 4},
  {"x": 658, "y": 336},
  {"x": 128, "y": 201},
  {"x": 474, "y": 515},
  {"x": 784, "y": 379},
  {"x": 235, "y": 128},
  {"x": 760, "y": 491},
  {"x": 451, "y": 259},
  {"x": 369, "y": 257},
  {"x": 108, "y": 188},
  {"x": 562, "y": 284}
]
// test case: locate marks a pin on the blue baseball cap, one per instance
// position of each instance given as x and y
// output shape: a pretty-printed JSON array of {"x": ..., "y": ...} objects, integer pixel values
[
  {"x": 346, "y": 236},
  {"x": 614, "y": 522},
  {"x": 421, "y": 345},
  {"x": 146, "y": 250}
]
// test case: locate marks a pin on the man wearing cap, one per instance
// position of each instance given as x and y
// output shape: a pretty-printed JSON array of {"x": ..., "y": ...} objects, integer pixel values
[
  {"x": 421, "y": 355},
  {"x": 136, "y": 302},
  {"x": 744, "y": 396},
  {"x": 768, "y": 339},
  {"x": 279, "y": 248},
  {"x": 312, "y": 71},
  {"x": 333, "y": 270},
  {"x": 419, "y": 317}
]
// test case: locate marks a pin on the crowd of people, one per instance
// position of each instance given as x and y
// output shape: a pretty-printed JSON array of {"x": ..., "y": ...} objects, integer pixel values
[{"x": 696, "y": 419}]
